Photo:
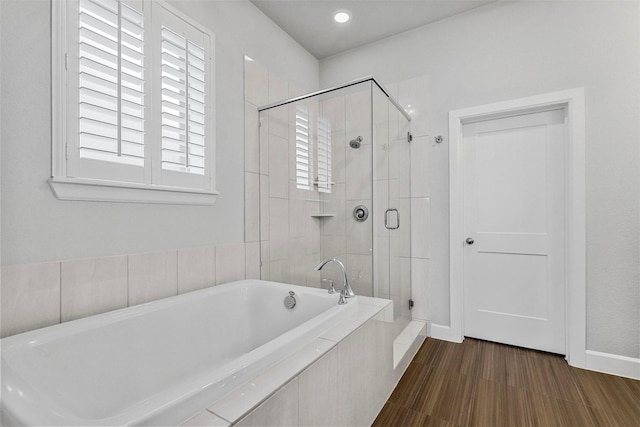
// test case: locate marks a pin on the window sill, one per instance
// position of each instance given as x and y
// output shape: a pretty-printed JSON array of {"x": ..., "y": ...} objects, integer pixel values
[{"x": 112, "y": 191}]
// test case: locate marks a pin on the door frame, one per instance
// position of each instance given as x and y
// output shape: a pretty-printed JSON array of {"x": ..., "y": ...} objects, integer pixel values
[{"x": 572, "y": 100}]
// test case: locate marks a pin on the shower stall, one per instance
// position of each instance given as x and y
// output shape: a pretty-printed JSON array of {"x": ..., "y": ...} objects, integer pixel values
[{"x": 335, "y": 183}]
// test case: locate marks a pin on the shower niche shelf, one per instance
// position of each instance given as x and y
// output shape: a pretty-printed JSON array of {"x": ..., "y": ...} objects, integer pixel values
[{"x": 322, "y": 215}]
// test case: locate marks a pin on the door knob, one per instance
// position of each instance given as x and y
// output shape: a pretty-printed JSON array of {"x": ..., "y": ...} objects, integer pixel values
[{"x": 469, "y": 241}]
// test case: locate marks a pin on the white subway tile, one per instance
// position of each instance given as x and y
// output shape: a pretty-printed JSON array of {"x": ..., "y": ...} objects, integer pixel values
[
  {"x": 152, "y": 276},
  {"x": 92, "y": 286},
  {"x": 30, "y": 297},
  {"x": 196, "y": 268}
]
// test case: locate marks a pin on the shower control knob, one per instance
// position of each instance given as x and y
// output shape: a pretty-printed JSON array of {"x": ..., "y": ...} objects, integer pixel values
[
  {"x": 360, "y": 213},
  {"x": 469, "y": 241}
]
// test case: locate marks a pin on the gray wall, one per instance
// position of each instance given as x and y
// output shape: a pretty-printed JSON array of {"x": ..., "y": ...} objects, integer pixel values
[
  {"x": 514, "y": 49},
  {"x": 37, "y": 227}
]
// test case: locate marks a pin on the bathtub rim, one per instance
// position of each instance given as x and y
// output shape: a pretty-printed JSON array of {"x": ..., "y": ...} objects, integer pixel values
[{"x": 51, "y": 333}]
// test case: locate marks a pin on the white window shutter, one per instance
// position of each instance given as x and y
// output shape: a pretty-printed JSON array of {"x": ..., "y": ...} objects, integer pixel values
[
  {"x": 134, "y": 106},
  {"x": 324, "y": 155},
  {"x": 111, "y": 91},
  {"x": 304, "y": 149},
  {"x": 186, "y": 73}
]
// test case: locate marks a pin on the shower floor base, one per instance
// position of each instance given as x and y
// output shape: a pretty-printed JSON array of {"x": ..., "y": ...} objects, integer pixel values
[{"x": 410, "y": 338}]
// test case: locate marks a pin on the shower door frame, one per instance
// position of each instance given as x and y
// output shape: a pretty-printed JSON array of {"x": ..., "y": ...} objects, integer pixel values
[{"x": 393, "y": 102}]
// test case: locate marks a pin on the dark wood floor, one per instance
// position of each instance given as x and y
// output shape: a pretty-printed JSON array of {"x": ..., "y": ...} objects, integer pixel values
[{"x": 479, "y": 383}]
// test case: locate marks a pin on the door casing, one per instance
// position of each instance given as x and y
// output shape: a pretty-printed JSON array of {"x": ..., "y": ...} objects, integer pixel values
[{"x": 575, "y": 260}]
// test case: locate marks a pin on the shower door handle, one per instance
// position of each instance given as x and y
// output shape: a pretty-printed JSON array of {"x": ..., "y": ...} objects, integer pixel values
[{"x": 386, "y": 219}]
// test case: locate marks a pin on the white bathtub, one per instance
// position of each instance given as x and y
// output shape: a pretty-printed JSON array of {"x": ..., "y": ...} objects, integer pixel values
[{"x": 161, "y": 362}]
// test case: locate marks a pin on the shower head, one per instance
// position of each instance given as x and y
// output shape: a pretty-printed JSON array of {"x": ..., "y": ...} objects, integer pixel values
[{"x": 355, "y": 143}]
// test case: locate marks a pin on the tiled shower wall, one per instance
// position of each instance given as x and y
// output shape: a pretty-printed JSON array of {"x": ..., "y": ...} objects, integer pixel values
[
  {"x": 43, "y": 294},
  {"x": 278, "y": 219},
  {"x": 338, "y": 237}
]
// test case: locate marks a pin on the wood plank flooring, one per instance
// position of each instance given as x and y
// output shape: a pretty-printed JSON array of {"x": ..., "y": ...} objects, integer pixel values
[{"x": 479, "y": 383}]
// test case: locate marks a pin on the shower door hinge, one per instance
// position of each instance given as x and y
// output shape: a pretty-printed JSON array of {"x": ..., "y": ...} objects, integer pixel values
[
  {"x": 409, "y": 137},
  {"x": 410, "y": 304}
]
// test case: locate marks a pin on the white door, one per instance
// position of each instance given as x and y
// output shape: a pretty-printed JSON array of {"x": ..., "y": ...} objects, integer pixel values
[{"x": 514, "y": 219}]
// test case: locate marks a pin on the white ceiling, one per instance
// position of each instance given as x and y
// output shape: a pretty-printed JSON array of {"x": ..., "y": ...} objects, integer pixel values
[{"x": 310, "y": 22}]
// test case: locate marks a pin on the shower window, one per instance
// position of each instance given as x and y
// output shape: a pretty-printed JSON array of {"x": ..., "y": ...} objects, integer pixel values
[
  {"x": 122, "y": 129},
  {"x": 304, "y": 149},
  {"x": 313, "y": 151}
]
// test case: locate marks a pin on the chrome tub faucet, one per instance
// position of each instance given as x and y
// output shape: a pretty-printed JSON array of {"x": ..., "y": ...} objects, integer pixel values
[{"x": 346, "y": 291}]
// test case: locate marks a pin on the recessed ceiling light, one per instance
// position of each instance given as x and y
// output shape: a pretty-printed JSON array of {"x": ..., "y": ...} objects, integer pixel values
[{"x": 342, "y": 16}]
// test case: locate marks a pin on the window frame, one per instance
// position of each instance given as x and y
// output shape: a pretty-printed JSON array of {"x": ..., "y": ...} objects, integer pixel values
[{"x": 66, "y": 187}]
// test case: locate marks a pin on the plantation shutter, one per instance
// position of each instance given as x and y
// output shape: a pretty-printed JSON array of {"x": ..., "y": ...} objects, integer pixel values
[
  {"x": 304, "y": 149},
  {"x": 185, "y": 102},
  {"x": 109, "y": 130},
  {"x": 324, "y": 155}
]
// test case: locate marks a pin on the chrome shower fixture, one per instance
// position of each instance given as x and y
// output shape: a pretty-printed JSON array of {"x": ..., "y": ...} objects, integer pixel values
[{"x": 355, "y": 143}]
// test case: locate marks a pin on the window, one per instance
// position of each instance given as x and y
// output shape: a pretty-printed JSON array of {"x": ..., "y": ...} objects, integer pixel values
[
  {"x": 312, "y": 140},
  {"x": 133, "y": 103},
  {"x": 304, "y": 149}
]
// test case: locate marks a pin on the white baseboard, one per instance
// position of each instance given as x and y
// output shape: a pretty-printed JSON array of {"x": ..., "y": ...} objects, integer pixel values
[
  {"x": 607, "y": 363},
  {"x": 613, "y": 364},
  {"x": 442, "y": 332}
]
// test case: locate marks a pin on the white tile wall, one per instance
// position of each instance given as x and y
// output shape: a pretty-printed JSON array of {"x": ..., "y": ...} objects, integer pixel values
[
  {"x": 196, "y": 268},
  {"x": 318, "y": 392},
  {"x": 252, "y": 260},
  {"x": 42, "y": 294},
  {"x": 279, "y": 229},
  {"x": 251, "y": 207},
  {"x": 152, "y": 276},
  {"x": 256, "y": 83},
  {"x": 92, "y": 286},
  {"x": 278, "y": 89},
  {"x": 278, "y": 167},
  {"x": 359, "y": 172},
  {"x": 30, "y": 297},
  {"x": 334, "y": 110},
  {"x": 251, "y": 138},
  {"x": 419, "y": 227},
  {"x": 359, "y": 236},
  {"x": 230, "y": 263},
  {"x": 421, "y": 288}
]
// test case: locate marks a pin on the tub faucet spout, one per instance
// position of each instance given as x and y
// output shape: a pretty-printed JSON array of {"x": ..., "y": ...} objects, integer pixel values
[{"x": 346, "y": 291}]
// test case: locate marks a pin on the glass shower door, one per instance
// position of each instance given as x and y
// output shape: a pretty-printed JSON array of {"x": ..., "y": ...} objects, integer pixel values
[{"x": 392, "y": 206}]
